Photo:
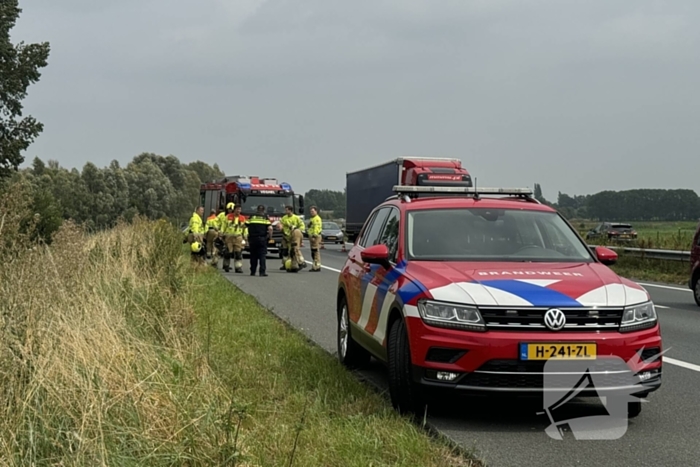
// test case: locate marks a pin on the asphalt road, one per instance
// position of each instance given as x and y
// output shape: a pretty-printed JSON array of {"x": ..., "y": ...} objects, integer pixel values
[{"x": 667, "y": 433}]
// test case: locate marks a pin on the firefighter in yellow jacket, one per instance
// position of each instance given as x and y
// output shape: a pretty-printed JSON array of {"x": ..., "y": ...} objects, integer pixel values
[
  {"x": 196, "y": 231},
  {"x": 235, "y": 235},
  {"x": 292, "y": 236},
  {"x": 213, "y": 227},
  {"x": 315, "y": 229}
]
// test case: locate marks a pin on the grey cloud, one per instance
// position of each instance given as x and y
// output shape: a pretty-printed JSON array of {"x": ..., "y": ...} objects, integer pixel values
[{"x": 578, "y": 96}]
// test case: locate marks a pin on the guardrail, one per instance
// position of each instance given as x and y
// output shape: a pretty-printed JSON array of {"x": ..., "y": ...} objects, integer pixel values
[{"x": 669, "y": 255}]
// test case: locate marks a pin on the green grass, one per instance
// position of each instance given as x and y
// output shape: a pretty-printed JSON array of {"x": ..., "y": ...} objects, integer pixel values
[
  {"x": 292, "y": 399},
  {"x": 651, "y": 235},
  {"x": 670, "y": 272},
  {"x": 116, "y": 350}
]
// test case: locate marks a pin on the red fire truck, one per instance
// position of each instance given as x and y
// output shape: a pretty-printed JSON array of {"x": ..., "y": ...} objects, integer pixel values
[{"x": 249, "y": 192}]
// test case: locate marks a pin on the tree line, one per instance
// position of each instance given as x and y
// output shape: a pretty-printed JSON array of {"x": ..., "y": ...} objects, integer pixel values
[
  {"x": 150, "y": 185},
  {"x": 628, "y": 205},
  {"x": 608, "y": 205}
]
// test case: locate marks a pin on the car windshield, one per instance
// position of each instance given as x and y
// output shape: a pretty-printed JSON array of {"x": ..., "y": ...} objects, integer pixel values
[
  {"x": 621, "y": 226},
  {"x": 274, "y": 204},
  {"x": 481, "y": 234},
  {"x": 330, "y": 226}
]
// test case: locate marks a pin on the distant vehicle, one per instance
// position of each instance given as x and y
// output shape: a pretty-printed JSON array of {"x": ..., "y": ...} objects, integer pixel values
[
  {"x": 332, "y": 233},
  {"x": 694, "y": 281},
  {"x": 248, "y": 192},
  {"x": 369, "y": 187},
  {"x": 613, "y": 231}
]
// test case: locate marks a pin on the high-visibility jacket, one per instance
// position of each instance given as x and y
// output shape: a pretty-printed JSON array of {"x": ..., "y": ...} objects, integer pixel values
[
  {"x": 315, "y": 225},
  {"x": 196, "y": 224},
  {"x": 222, "y": 221},
  {"x": 258, "y": 226},
  {"x": 213, "y": 222},
  {"x": 236, "y": 225},
  {"x": 290, "y": 222}
]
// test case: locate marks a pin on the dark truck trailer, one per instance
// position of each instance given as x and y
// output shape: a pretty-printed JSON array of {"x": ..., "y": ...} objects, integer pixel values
[{"x": 367, "y": 188}]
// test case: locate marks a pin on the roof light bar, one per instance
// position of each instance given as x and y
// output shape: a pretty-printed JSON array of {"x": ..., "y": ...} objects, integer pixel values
[{"x": 465, "y": 190}]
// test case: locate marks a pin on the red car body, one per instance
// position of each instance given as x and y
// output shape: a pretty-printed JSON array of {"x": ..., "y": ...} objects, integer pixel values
[
  {"x": 382, "y": 290},
  {"x": 694, "y": 282}
]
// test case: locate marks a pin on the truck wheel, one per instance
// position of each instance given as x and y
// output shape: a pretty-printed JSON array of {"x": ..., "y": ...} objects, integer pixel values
[
  {"x": 350, "y": 353},
  {"x": 696, "y": 290},
  {"x": 406, "y": 396}
]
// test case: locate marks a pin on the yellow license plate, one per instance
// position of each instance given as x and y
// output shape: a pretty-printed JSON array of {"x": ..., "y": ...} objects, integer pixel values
[
  {"x": 271, "y": 241},
  {"x": 558, "y": 351},
  {"x": 331, "y": 238}
]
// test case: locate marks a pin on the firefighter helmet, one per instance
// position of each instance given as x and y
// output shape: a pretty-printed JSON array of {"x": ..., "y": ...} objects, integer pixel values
[
  {"x": 196, "y": 247},
  {"x": 230, "y": 206}
]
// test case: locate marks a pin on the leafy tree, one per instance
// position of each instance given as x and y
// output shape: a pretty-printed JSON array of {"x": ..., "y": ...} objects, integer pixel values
[
  {"x": 205, "y": 172},
  {"x": 327, "y": 200},
  {"x": 19, "y": 67}
]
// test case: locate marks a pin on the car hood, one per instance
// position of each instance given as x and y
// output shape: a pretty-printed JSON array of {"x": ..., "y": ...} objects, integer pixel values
[{"x": 525, "y": 284}]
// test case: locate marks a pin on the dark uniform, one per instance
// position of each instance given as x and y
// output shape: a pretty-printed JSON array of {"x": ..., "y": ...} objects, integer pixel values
[{"x": 258, "y": 225}]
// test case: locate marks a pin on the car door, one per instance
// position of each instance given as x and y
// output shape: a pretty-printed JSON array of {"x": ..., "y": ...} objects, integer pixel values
[
  {"x": 382, "y": 282},
  {"x": 357, "y": 270}
]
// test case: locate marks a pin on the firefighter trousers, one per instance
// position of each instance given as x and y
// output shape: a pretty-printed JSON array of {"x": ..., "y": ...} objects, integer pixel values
[
  {"x": 234, "y": 249},
  {"x": 315, "y": 244}
]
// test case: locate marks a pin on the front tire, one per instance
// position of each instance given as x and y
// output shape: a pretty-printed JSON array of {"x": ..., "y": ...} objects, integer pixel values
[
  {"x": 406, "y": 395},
  {"x": 350, "y": 353},
  {"x": 696, "y": 290},
  {"x": 634, "y": 409}
]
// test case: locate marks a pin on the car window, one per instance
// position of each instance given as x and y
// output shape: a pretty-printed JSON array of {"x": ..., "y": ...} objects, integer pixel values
[
  {"x": 372, "y": 236},
  {"x": 330, "y": 226},
  {"x": 480, "y": 234},
  {"x": 390, "y": 234}
]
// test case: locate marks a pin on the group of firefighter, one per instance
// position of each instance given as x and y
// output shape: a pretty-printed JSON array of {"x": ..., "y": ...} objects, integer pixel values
[{"x": 226, "y": 234}]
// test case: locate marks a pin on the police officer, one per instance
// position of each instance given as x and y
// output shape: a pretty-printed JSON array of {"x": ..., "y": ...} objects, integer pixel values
[
  {"x": 259, "y": 231},
  {"x": 235, "y": 233},
  {"x": 292, "y": 236},
  {"x": 315, "y": 229}
]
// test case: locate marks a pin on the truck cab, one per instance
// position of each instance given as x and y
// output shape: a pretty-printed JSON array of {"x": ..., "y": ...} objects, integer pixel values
[{"x": 369, "y": 187}]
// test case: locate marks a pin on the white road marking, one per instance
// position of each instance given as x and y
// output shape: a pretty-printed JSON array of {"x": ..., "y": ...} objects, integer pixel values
[
  {"x": 664, "y": 287},
  {"x": 325, "y": 267},
  {"x": 659, "y": 306},
  {"x": 689, "y": 366}
]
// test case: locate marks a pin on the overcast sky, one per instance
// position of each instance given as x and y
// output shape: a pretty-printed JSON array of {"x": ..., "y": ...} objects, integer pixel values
[{"x": 580, "y": 96}]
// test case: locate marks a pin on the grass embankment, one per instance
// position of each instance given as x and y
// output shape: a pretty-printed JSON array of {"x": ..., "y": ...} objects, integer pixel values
[
  {"x": 114, "y": 351},
  {"x": 635, "y": 268}
]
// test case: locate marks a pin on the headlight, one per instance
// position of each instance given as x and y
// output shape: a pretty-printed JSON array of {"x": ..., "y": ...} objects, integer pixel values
[
  {"x": 451, "y": 316},
  {"x": 638, "y": 317}
]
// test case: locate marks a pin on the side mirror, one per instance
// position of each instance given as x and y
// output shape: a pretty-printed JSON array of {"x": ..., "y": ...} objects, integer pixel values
[
  {"x": 606, "y": 255},
  {"x": 376, "y": 254}
]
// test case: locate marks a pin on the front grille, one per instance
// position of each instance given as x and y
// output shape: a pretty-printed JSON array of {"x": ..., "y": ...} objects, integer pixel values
[
  {"x": 532, "y": 319},
  {"x": 517, "y": 374},
  {"x": 443, "y": 355},
  {"x": 647, "y": 354}
]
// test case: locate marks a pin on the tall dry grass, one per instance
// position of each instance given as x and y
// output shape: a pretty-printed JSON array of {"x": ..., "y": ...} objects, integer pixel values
[{"x": 99, "y": 364}]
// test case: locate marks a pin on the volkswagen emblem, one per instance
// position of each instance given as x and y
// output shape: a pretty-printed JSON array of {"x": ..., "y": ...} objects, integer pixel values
[{"x": 555, "y": 319}]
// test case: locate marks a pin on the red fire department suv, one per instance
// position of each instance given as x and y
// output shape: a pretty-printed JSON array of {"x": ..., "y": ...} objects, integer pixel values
[{"x": 475, "y": 291}]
